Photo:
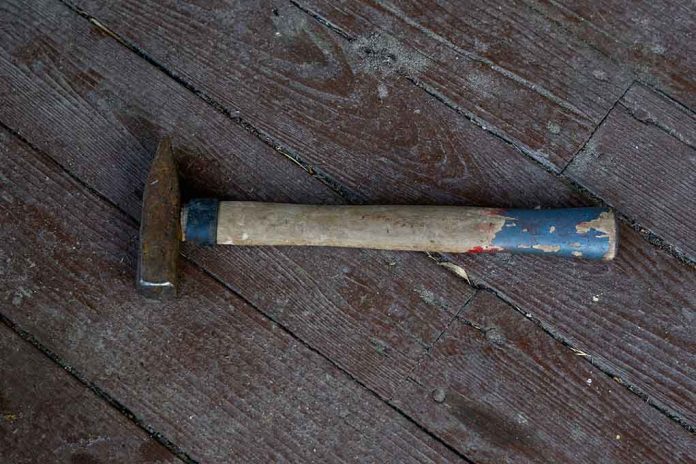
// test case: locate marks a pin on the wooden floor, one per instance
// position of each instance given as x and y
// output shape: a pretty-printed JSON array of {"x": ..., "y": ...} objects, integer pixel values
[{"x": 333, "y": 355}]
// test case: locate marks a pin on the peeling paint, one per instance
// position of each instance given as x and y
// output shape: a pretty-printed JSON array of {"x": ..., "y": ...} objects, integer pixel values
[
  {"x": 489, "y": 231},
  {"x": 499, "y": 213},
  {"x": 604, "y": 223},
  {"x": 573, "y": 232},
  {"x": 547, "y": 248}
]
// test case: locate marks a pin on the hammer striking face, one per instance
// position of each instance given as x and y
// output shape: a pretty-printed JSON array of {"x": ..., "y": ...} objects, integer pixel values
[
  {"x": 588, "y": 233},
  {"x": 160, "y": 229}
]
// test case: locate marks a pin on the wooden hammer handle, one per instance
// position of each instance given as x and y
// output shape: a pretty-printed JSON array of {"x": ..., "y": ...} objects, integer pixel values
[{"x": 576, "y": 232}]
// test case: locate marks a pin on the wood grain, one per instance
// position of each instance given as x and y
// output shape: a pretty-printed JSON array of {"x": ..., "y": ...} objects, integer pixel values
[
  {"x": 351, "y": 120},
  {"x": 574, "y": 54},
  {"x": 208, "y": 371},
  {"x": 501, "y": 63},
  {"x": 281, "y": 60},
  {"x": 79, "y": 94},
  {"x": 500, "y": 390},
  {"x": 47, "y": 416},
  {"x": 633, "y": 316},
  {"x": 99, "y": 111},
  {"x": 642, "y": 160},
  {"x": 655, "y": 38},
  {"x": 521, "y": 52}
]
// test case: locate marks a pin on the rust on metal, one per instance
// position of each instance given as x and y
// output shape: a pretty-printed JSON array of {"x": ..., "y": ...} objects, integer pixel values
[{"x": 160, "y": 230}]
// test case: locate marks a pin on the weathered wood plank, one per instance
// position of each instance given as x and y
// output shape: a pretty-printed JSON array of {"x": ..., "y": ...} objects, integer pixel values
[
  {"x": 655, "y": 38},
  {"x": 47, "y": 416},
  {"x": 522, "y": 75},
  {"x": 578, "y": 51},
  {"x": 526, "y": 23},
  {"x": 389, "y": 131},
  {"x": 633, "y": 315},
  {"x": 86, "y": 86},
  {"x": 500, "y": 390},
  {"x": 535, "y": 88},
  {"x": 211, "y": 373},
  {"x": 649, "y": 106},
  {"x": 99, "y": 110},
  {"x": 642, "y": 160}
]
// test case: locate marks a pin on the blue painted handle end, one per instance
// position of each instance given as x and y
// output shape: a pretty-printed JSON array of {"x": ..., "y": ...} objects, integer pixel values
[{"x": 589, "y": 233}]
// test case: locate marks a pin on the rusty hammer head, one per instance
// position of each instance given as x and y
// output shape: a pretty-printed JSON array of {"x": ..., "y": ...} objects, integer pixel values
[{"x": 160, "y": 228}]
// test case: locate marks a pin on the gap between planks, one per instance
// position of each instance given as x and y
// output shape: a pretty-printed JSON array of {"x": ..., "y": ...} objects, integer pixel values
[
  {"x": 429, "y": 348},
  {"x": 672, "y": 133},
  {"x": 647, "y": 234},
  {"x": 603, "y": 367},
  {"x": 597, "y": 49},
  {"x": 356, "y": 197},
  {"x": 98, "y": 391},
  {"x": 651, "y": 237},
  {"x": 175, "y": 449}
]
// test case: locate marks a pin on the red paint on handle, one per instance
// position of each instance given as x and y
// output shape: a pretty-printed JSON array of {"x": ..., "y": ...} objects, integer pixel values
[{"x": 480, "y": 249}]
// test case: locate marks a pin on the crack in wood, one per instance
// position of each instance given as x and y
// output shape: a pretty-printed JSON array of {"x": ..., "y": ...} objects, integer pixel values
[
  {"x": 476, "y": 57},
  {"x": 595, "y": 361}
]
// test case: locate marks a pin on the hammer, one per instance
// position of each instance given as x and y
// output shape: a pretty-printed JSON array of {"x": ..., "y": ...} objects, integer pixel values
[{"x": 589, "y": 233}]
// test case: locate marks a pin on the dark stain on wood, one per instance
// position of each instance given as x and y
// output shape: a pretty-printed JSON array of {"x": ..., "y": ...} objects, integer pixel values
[
  {"x": 84, "y": 458},
  {"x": 500, "y": 432},
  {"x": 499, "y": 389},
  {"x": 152, "y": 452}
]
